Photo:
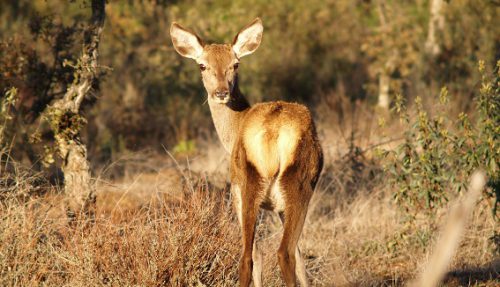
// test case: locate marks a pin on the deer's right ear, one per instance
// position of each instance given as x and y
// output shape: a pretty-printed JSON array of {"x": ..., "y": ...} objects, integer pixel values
[{"x": 186, "y": 43}]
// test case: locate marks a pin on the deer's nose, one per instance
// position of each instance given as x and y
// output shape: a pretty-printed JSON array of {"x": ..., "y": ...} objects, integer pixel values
[{"x": 222, "y": 94}]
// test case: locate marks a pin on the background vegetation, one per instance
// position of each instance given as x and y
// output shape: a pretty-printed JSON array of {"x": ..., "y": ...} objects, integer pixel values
[
  {"x": 163, "y": 216},
  {"x": 313, "y": 52}
]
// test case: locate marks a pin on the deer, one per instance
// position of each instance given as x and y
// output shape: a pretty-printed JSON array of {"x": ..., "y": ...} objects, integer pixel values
[{"x": 276, "y": 157}]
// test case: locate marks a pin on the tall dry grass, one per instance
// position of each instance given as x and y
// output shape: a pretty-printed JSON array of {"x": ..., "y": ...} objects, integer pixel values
[
  {"x": 165, "y": 221},
  {"x": 185, "y": 242}
]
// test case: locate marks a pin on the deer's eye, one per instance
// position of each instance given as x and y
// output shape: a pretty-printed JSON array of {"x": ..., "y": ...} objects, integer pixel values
[
  {"x": 202, "y": 67},
  {"x": 235, "y": 66}
]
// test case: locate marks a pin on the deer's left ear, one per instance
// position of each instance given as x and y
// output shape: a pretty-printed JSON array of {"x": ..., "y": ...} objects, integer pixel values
[{"x": 248, "y": 39}]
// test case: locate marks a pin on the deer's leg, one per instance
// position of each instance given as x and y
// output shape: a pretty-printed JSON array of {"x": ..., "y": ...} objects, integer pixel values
[
  {"x": 257, "y": 265},
  {"x": 256, "y": 254},
  {"x": 250, "y": 204},
  {"x": 249, "y": 216},
  {"x": 294, "y": 220},
  {"x": 298, "y": 191},
  {"x": 300, "y": 267}
]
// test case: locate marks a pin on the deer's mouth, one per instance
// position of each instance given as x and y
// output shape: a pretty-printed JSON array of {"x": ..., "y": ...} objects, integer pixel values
[
  {"x": 221, "y": 100},
  {"x": 221, "y": 96}
]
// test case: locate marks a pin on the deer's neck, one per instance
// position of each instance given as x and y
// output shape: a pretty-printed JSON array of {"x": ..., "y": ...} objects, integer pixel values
[{"x": 228, "y": 117}]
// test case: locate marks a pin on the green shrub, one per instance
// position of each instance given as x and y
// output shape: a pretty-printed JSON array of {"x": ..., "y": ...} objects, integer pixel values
[{"x": 439, "y": 153}]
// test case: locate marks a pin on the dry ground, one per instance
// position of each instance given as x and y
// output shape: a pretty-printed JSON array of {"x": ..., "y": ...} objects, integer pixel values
[{"x": 169, "y": 222}]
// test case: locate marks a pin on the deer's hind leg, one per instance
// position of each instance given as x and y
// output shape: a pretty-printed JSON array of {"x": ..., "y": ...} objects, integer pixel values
[
  {"x": 245, "y": 176},
  {"x": 297, "y": 196},
  {"x": 300, "y": 266},
  {"x": 256, "y": 254}
]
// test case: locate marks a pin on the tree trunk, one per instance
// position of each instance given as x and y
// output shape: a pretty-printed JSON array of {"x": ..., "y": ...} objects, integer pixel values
[
  {"x": 436, "y": 25},
  {"x": 383, "y": 90},
  {"x": 66, "y": 121},
  {"x": 384, "y": 73}
]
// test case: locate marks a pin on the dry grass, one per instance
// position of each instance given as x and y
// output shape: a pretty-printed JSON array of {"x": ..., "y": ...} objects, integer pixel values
[
  {"x": 132, "y": 242},
  {"x": 170, "y": 223}
]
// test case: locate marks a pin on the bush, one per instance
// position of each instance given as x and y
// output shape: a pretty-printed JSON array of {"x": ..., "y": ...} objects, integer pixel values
[{"x": 439, "y": 153}]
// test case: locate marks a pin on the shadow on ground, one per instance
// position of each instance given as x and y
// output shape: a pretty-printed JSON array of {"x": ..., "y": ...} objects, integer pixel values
[{"x": 471, "y": 276}]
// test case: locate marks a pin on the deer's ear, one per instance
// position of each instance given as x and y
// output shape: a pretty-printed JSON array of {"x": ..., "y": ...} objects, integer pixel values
[
  {"x": 186, "y": 42},
  {"x": 248, "y": 39}
]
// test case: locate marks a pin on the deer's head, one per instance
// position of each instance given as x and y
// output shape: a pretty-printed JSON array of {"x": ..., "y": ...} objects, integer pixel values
[{"x": 218, "y": 62}]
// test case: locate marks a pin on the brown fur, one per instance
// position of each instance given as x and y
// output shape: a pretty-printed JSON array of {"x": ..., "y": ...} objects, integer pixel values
[
  {"x": 297, "y": 177},
  {"x": 276, "y": 157}
]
